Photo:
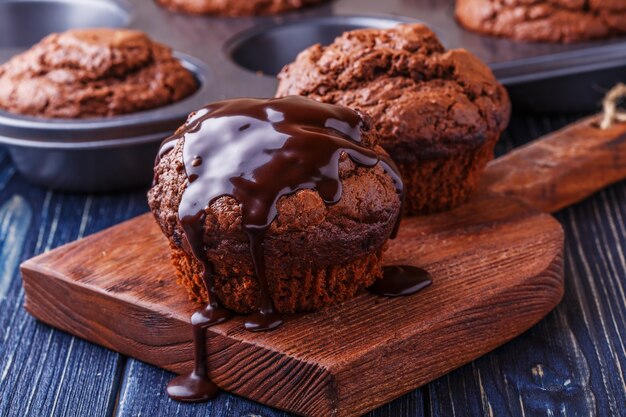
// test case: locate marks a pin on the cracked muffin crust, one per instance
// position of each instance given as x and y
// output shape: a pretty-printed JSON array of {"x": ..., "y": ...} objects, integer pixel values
[
  {"x": 316, "y": 254},
  {"x": 438, "y": 113},
  {"x": 93, "y": 73},
  {"x": 236, "y": 7},
  {"x": 544, "y": 20}
]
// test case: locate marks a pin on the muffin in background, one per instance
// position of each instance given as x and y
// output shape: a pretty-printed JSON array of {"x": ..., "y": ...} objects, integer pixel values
[
  {"x": 86, "y": 73},
  {"x": 438, "y": 113},
  {"x": 563, "y": 21},
  {"x": 236, "y": 7},
  {"x": 315, "y": 253}
]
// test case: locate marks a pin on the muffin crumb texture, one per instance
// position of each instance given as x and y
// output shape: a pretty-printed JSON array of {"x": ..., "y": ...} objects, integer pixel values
[
  {"x": 438, "y": 113},
  {"x": 93, "y": 73},
  {"x": 563, "y": 21},
  {"x": 236, "y": 7},
  {"x": 316, "y": 254}
]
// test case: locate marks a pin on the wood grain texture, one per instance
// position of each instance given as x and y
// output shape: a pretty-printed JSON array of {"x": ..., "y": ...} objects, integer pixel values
[
  {"x": 572, "y": 363},
  {"x": 490, "y": 259},
  {"x": 563, "y": 168},
  {"x": 570, "y": 343},
  {"x": 448, "y": 222},
  {"x": 42, "y": 370},
  {"x": 142, "y": 394},
  {"x": 45, "y": 372}
]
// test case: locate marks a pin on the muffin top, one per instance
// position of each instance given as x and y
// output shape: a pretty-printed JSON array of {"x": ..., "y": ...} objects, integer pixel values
[
  {"x": 292, "y": 166},
  {"x": 545, "y": 20},
  {"x": 236, "y": 7},
  {"x": 423, "y": 99},
  {"x": 93, "y": 73}
]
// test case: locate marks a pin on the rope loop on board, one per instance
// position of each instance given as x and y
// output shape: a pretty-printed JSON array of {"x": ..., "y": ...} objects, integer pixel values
[{"x": 611, "y": 112}]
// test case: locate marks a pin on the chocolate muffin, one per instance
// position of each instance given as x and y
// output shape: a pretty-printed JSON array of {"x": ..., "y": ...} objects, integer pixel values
[
  {"x": 93, "y": 73},
  {"x": 439, "y": 113},
  {"x": 281, "y": 204},
  {"x": 236, "y": 7},
  {"x": 544, "y": 20}
]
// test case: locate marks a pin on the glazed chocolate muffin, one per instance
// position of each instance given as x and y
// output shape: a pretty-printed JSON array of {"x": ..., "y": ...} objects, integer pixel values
[
  {"x": 544, "y": 20},
  {"x": 301, "y": 184},
  {"x": 439, "y": 113},
  {"x": 236, "y": 7},
  {"x": 93, "y": 73}
]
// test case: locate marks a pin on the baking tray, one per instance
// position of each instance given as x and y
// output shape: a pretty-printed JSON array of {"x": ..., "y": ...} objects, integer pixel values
[{"x": 238, "y": 57}]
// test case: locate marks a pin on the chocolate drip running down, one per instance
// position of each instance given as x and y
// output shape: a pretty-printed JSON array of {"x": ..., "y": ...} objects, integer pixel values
[{"x": 258, "y": 151}]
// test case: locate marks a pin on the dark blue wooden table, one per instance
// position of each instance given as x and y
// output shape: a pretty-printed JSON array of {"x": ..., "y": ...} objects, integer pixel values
[{"x": 573, "y": 363}]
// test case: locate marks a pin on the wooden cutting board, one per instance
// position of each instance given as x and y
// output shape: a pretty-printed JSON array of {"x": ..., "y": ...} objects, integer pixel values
[{"x": 496, "y": 263}]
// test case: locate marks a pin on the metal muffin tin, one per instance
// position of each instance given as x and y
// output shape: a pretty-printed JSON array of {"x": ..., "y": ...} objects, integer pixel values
[{"x": 238, "y": 57}]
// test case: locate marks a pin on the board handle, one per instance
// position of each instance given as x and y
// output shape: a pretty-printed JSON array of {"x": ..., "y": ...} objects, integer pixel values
[{"x": 563, "y": 167}]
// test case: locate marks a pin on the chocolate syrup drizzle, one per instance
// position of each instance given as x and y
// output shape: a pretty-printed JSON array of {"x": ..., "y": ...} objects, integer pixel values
[{"x": 257, "y": 151}]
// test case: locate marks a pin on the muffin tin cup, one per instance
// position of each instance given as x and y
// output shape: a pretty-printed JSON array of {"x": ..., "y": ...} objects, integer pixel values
[
  {"x": 25, "y": 22},
  {"x": 101, "y": 166},
  {"x": 268, "y": 48},
  {"x": 96, "y": 155},
  {"x": 239, "y": 57}
]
